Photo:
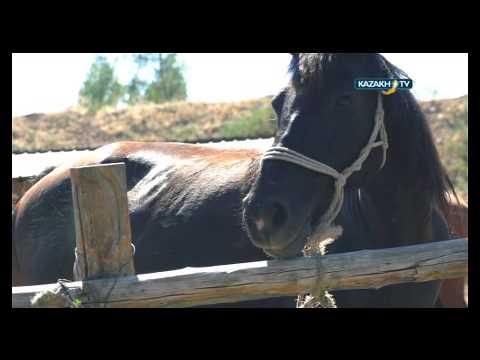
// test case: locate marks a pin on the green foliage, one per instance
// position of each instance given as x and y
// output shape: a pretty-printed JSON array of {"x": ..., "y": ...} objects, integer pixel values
[
  {"x": 169, "y": 83},
  {"x": 143, "y": 59},
  {"x": 134, "y": 90},
  {"x": 259, "y": 123},
  {"x": 101, "y": 88}
]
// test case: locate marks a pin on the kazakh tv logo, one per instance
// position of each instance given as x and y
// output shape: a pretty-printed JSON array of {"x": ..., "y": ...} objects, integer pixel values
[{"x": 387, "y": 86}]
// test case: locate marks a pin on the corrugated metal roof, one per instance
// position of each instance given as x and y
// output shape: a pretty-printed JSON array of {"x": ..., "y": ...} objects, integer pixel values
[
  {"x": 242, "y": 144},
  {"x": 32, "y": 164}
]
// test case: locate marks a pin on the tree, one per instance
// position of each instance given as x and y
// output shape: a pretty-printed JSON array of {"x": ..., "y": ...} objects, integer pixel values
[
  {"x": 135, "y": 90},
  {"x": 101, "y": 88},
  {"x": 169, "y": 83}
]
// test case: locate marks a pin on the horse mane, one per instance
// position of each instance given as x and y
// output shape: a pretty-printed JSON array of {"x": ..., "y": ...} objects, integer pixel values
[
  {"x": 431, "y": 179},
  {"x": 308, "y": 67}
]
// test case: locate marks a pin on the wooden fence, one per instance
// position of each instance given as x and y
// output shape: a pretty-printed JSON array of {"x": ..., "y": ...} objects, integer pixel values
[{"x": 104, "y": 271}]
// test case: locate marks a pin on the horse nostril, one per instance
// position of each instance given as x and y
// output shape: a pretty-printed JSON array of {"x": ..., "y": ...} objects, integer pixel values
[
  {"x": 267, "y": 220},
  {"x": 279, "y": 215}
]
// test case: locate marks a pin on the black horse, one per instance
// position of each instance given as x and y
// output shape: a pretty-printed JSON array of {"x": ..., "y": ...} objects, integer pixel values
[
  {"x": 193, "y": 205},
  {"x": 401, "y": 203}
]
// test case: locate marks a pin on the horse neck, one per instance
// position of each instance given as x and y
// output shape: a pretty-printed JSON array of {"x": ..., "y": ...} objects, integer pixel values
[{"x": 404, "y": 208}]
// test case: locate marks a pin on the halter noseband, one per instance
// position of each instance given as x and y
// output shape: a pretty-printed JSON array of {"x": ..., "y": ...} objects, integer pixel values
[{"x": 285, "y": 154}]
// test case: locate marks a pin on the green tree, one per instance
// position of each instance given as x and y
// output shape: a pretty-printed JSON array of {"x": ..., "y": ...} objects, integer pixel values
[
  {"x": 169, "y": 83},
  {"x": 135, "y": 90},
  {"x": 101, "y": 88}
]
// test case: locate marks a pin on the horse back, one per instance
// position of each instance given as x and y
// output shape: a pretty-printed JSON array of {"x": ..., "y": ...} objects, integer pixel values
[{"x": 43, "y": 232}]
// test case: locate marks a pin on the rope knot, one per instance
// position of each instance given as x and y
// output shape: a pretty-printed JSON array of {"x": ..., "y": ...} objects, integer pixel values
[{"x": 341, "y": 181}]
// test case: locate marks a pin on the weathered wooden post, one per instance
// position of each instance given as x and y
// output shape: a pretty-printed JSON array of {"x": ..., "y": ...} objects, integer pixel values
[{"x": 102, "y": 224}]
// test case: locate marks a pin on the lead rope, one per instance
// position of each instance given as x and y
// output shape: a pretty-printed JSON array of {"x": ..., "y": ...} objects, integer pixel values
[
  {"x": 325, "y": 230},
  {"x": 60, "y": 296}
]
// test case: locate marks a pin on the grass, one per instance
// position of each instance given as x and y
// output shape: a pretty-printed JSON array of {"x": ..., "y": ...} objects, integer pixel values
[{"x": 259, "y": 123}]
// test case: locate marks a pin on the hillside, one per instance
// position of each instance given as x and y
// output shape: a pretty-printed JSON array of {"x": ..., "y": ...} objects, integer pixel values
[
  {"x": 189, "y": 122},
  {"x": 449, "y": 123},
  {"x": 177, "y": 121}
]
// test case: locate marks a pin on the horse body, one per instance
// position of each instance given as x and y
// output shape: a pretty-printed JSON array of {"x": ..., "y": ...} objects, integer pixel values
[
  {"x": 364, "y": 228},
  {"x": 185, "y": 210}
]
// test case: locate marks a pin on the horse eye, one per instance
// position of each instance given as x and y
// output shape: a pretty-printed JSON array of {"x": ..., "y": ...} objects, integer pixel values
[{"x": 344, "y": 100}]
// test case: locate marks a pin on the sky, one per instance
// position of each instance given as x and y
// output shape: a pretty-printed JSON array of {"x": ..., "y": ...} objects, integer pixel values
[{"x": 44, "y": 82}]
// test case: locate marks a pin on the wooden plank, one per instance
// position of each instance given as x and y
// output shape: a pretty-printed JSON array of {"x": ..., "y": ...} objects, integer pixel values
[
  {"x": 102, "y": 222},
  {"x": 264, "y": 279}
]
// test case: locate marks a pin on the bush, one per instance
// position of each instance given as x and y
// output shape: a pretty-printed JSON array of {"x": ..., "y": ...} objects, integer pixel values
[{"x": 259, "y": 123}]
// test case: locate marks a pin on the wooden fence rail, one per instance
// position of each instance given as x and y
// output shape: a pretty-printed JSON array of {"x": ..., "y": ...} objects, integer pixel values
[
  {"x": 104, "y": 251},
  {"x": 264, "y": 279}
]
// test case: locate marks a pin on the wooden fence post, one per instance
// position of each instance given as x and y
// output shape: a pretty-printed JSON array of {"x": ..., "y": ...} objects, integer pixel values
[{"x": 102, "y": 224}]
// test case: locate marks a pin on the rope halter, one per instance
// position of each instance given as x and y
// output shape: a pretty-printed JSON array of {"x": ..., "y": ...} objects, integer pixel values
[{"x": 285, "y": 154}]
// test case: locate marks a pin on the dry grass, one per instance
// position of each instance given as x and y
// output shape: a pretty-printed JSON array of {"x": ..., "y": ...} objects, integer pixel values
[
  {"x": 449, "y": 122},
  {"x": 177, "y": 121}
]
